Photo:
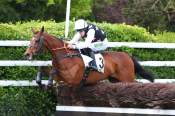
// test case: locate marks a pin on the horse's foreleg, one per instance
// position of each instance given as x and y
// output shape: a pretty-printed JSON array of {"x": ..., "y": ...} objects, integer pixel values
[
  {"x": 39, "y": 76},
  {"x": 50, "y": 81},
  {"x": 53, "y": 74}
]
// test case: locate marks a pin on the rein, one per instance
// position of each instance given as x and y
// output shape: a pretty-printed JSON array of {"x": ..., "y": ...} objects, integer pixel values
[
  {"x": 67, "y": 51},
  {"x": 64, "y": 47}
]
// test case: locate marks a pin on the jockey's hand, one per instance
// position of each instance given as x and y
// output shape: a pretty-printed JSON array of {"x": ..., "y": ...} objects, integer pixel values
[{"x": 71, "y": 46}]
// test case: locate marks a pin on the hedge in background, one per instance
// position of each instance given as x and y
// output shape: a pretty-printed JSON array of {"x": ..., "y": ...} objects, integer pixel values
[
  {"x": 115, "y": 32},
  {"x": 26, "y": 101},
  {"x": 123, "y": 32},
  {"x": 33, "y": 100}
]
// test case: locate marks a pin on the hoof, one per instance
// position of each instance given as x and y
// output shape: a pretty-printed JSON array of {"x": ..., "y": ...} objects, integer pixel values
[
  {"x": 39, "y": 83},
  {"x": 46, "y": 87},
  {"x": 49, "y": 86},
  {"x": 41, "y": 86}
]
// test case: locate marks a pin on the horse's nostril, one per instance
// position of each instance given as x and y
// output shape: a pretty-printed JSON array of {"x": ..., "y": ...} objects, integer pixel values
[{"x": 26, "y": 54}]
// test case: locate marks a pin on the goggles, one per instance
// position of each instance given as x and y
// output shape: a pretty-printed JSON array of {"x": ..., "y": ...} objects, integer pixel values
[{"x": 80, "y": 30}]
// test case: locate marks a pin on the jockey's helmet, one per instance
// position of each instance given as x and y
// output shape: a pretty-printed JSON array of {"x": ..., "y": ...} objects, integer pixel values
[{"x": 80, "y": 25}]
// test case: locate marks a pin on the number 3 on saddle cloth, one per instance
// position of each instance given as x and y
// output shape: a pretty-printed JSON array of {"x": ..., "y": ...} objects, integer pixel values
[{"x": 85, "y": 54}]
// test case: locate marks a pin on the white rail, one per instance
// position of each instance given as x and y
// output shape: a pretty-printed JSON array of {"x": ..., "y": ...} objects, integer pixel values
[
  {"x": 19, "y": 83},
  {"x": 142, "y": 45},
  {"x": 158, "y": 63},
  {"x": 49, "y": 63},
  {"x": 12, "y": 43},
  {"x": 111, "y": 111},
  {"x": 111, "y": 44},
  {"x": 24, "y": 63}
]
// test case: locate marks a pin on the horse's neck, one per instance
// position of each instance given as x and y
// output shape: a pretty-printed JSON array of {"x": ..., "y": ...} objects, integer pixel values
[
  {"x": 57, "y": 48},
  {"x": 53, "y": 45},
  {"x": 52, "y": 42}
]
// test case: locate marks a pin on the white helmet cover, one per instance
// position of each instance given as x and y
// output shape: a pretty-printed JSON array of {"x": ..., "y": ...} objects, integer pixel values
[{"x": 80, "y": 24}]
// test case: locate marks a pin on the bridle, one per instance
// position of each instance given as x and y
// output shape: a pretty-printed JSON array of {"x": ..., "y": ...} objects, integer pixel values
[
  {"x": 41, "y": 42},
  {"x": 39, "y": 47}
]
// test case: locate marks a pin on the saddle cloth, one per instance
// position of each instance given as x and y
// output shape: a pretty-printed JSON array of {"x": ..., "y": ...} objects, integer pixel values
[{"x": 99, "y": 61}]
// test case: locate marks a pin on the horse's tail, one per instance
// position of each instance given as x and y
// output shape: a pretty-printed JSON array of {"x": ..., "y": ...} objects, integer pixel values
[{"x": 140, "y": 71}]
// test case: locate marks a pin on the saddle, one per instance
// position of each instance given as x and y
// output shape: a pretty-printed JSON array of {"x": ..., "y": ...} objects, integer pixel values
[{"x": 84, "y": 54}]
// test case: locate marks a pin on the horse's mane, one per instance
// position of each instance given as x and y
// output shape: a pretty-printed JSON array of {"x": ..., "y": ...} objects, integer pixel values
[{"x": 53, "y": 37}]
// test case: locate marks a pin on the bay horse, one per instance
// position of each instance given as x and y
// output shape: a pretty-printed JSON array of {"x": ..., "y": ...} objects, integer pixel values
[{"x": 119, "y": 66}]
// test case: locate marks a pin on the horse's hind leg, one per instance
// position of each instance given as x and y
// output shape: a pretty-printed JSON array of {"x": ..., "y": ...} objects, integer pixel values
[{"x": 126, "y": 76}]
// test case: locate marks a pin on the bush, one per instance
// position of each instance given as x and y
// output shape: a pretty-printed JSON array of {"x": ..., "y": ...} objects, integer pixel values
[
  {"x": 123, "y": 32},
  {"x": 26, "y": 10},
  {"x": 26, "y": 101},
  {"x": 168, "y": 37}
]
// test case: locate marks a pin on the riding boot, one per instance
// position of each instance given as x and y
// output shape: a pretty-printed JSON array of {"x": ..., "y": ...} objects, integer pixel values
[{"x": 93, "y": 64}]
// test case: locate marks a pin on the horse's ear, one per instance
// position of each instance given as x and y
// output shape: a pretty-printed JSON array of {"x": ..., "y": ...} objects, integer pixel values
[
  {"x": 34, "y": 31},
  {"x": 42, "y": 29}
]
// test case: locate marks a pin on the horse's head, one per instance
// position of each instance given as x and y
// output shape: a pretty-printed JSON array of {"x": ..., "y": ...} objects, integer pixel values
[{"x": 36, "y": 44}]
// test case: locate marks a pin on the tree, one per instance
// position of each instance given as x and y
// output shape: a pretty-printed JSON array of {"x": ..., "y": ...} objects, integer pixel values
[
  {"x": 152, "y": 14},
  {"x": 79, "y": 9},
  {"x": 7, "y": 13},
  {"x": 15, "y": 10},
  {"x": 109, "y": 10}
]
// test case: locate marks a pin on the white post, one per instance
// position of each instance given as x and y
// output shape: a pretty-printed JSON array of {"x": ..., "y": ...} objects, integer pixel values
[{"x": 67, "y": 18}]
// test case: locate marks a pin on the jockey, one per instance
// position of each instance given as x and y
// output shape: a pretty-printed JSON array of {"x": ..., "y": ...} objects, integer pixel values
[{"x": 95, "y": 40}]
